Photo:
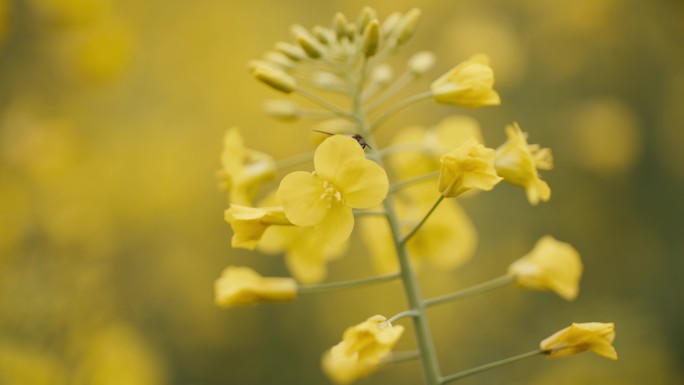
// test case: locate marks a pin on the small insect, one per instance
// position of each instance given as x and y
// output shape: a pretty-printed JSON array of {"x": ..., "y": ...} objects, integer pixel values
[{"x": 357, "y": 137}]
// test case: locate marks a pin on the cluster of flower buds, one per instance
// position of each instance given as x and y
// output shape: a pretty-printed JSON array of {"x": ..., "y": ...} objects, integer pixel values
[{"x": 318, "y": 57}]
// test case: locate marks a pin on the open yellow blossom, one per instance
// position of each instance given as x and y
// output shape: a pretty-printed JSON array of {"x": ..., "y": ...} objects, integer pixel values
[
  {"x": 361, "y": 351},
  {"x": 551, "y": 265},
  {"x": 243, "y": 170},
  {"x": 579, "y": 337},
  {"x": 250, "y": 223},
  {"x": 469, "y": 166},
  {"x": 469, "y": 84},
  {"x": 241, "y": 286},
  {"x": 517, "y": 162},
  {"x": 344, "y": 179}
]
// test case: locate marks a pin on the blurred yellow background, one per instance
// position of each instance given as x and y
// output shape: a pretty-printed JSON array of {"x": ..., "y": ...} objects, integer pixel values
[{"x": 111, "y": 224}]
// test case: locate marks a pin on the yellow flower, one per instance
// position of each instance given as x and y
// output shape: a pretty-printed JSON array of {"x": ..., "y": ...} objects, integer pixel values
[
  {"x": 579, "y": 337},
  {"x": 469, "y": 84},
  {"x": 241, "y": 286},
  {"x": 362, "y": 349},
  {"x": 421, "y": 147},
  {"x": 551, "y": 265},
  {"x": 469, "y": 166},
  {"x": 243, "y": 170},
  {"x": 344, "y": 179},
  {"x": 250, "y": 223},
  {"x": 517, "y": 162},
  {"x": 306, "y": 251}
]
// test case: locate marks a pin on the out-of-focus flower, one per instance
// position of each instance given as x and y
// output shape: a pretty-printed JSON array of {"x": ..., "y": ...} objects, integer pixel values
[
  {"x": 241, "y": 286},
  {"x": 307, "y": 253},
  {"x": 447, "y": 240},
  {"x": 517, "y": 163},
  {"x": 344, "y": 179},
  {"x": 361, "y": 350},
  {"x": 243, "y": 170},
  {"x": 579, "y": 337},
  {"x": 249, "y": 223},
  {"x": 421, "y": 148},
  {"x": 469, "y": 84},
  {"x": 421, "y": 62},
  {"x": 469, "y": 166},
  {"x": 551, "y": 265}
]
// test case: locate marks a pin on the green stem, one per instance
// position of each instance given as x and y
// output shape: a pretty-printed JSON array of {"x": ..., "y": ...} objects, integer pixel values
[
  {"x": 325, "y": 104},
  {"x": 428, "y": 356},
  {"x": 403, "y": 314},
  {"x": 399, "y": 357},
  {"x": 392, "y": 90},
  {"x": 405, "y": 183},
  {"x": 479, "y": 369},
  {"x": 398, "y": 107},
  {"x": 332, "y": 286},
  {"x": 368, "y": 213},
  {"x": 473, "y": 290},
  {"x": 422, "y": 221}
]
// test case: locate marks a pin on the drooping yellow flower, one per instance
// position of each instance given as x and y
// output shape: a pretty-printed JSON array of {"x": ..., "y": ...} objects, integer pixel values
[
  {"x": 579, "y": 337},
  {"x": 551, "y": 265},
  {"x": 344, "y": 179},
  {"x": 250, "y": 223},
  {"x": 469, "y": 84},
  {"x": 517, "y": 162},
  {"x": 241, "y": 286},
  {"x": 469, "y": 166},
  {"x": 361, "y": 351},
  {"x": 243, "y": 170}
]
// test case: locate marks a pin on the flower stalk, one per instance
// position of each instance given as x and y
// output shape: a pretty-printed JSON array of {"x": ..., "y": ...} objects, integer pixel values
[
  {"x": 471, "y": 291},
  {"x": 356, "y": 283},
  {"x": 491, "y": 365}
]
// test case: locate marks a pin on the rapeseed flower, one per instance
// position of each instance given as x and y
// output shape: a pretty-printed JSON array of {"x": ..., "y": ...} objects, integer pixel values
[
  {"x": 250, "y": 223},
  {"x": 243, "y": 170},
  {"x": 241, "y": 286},
  {"x": 517, "y": 162},
  {"x": 469, "y": 166},
  {"x": 343, "y": 179},
  {"x": 469, "y": 84},
  {"x": 551, "y": 265},
  {"x": 579, "y": 337},
  {"x": 362, "y": 350}
]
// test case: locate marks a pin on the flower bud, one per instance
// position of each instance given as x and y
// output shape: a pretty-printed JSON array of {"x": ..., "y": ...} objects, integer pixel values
[
  {"x": 371, "y": 39},
  {"x": 421, "y": 62},
  {"x": 282, "y": 109},
  {"x": 340, "y": 25},
  {"x": 310, "y": 45},
  {"x": 382, "y": 74},
  {"x": 290, "y": 50},
  {"x": 367, "y": 15},
  {"x": 275, "y": 78},
  {"x": 323, "y": 35},
  {"x": 279, "y": 59},
  {"x": 407, "y": 26},
  {"x": 390, "y": 24}
]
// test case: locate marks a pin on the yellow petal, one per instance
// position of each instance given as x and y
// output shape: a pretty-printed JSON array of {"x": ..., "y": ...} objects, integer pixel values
[
  {"x": 300, "y": 192},
  {"x": 331, "y": 156},
  {"x": 337, "y": 224},
  {"x": 363, "y": 183}
]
